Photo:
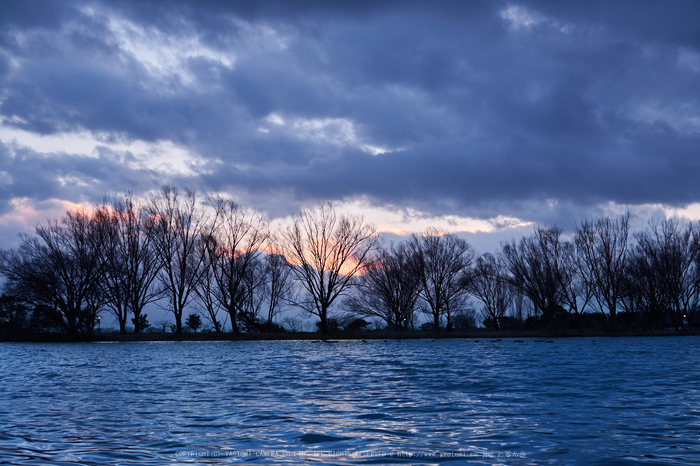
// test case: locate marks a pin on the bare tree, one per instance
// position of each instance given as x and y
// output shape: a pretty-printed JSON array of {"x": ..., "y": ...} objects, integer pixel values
[
  {"x": 326, "y": 250},
  {"x": 603, "y": 246},
  {"x": 115, "y": 268},
  {"x": 576, "y": 290},
  {"x": 85, "y": 239},
  {"x": 518, "y": 305},
  {"x": 294, "y": 324},
  {"x": 389, "y": 288},
  {"x": 208, "y": 301},
  {"x": 237, "y": 245},
  {"x": 162, "y": 325},
  {"x": 442, "y": 263},
  {"x": 181, "y": 232},
  {"x": 278, "y": 287},
  {"x": 672, "y": 253},
  {"x": 252, "y": 296},
  {"x": 131, "y": 265},
  {"x": 536, "y": 268},
  {"x": 645, "y": 292},
  {"x": 490, "y": 284},
  {"x": 61, "y": 268}
]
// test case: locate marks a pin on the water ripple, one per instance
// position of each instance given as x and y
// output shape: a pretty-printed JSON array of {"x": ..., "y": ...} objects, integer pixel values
[{"x": 582, "y": 401}]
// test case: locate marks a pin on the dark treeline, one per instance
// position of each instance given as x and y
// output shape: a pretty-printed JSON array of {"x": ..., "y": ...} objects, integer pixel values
[{"x": 221, "y": 263}]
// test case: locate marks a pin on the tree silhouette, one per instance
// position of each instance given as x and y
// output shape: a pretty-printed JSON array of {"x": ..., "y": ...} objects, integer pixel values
[
  {"x": 14, "y": 314},
  {"x": 194, "y": 321},
  {"x": 490, "y": 284},
  {"x": 162, "y": 325},
  {"x": 278, "y": 287},
  {"x": 603, "y": 246},
  {"x": 442, "y": 266},
  {"x": 389, "y": 288},
  {"x": 130, "y": 260},
  {"x": 180, "y": 232},
  {"x": 326, "y": 251},
  {"x": 536, "y": 267},
  {"x": 672, "y": 252},
  {"x": 61, "y": 268},
  {"x": 141, "y": 321},
  {"x": 234, "y": 250},
  {"x": 294, "y": 324}
]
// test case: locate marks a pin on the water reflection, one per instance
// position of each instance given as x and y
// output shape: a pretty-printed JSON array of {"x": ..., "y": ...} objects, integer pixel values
[{"x": 572, "y": 401}]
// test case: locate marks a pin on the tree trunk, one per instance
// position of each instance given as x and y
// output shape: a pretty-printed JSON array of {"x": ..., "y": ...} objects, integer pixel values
[
  {"x": 323, "y": 325},
  {"x": 178, "y": 323},
  {"x": 234, "y": 324},
  {"x": 137, "y": 321}
]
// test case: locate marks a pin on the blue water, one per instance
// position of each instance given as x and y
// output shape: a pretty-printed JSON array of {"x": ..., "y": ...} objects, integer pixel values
[{"x": 582, "y": 401}]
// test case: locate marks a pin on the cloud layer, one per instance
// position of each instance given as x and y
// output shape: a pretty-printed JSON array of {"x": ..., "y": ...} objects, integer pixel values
[{"x": 538, "y": 111}]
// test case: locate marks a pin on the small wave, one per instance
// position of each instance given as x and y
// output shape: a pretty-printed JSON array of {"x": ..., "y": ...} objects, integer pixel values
[{"x": 319, "y": 438}]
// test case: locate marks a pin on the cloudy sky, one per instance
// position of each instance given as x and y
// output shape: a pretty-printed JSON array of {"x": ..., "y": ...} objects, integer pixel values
[{"x": 472, "y": 116}]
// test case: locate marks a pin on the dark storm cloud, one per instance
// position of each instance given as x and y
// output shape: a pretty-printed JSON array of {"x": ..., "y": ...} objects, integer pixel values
[
  {"x": 646, "y": 19},
  {"x": 30, "y": 14},
  {"x": 483, "y": 108},
  {"x": 77, "y": 178}
]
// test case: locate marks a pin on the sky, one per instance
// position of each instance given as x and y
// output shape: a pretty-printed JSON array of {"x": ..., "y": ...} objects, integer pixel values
[{"x": 482, "y": 118}]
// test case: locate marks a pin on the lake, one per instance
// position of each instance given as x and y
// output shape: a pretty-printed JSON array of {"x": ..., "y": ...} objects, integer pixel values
[{"x": 568, "y": 401}]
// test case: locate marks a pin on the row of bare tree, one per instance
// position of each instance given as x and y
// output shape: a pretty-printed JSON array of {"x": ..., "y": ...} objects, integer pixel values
[
  {"x": 653, "y": 277},
  {"x": 224, "y": 261},
  {"x": 215, "y": 256}
]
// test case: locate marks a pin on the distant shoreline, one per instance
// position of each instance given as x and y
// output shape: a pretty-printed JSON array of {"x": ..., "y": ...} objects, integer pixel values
[{"x": 308, "y": 336}]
